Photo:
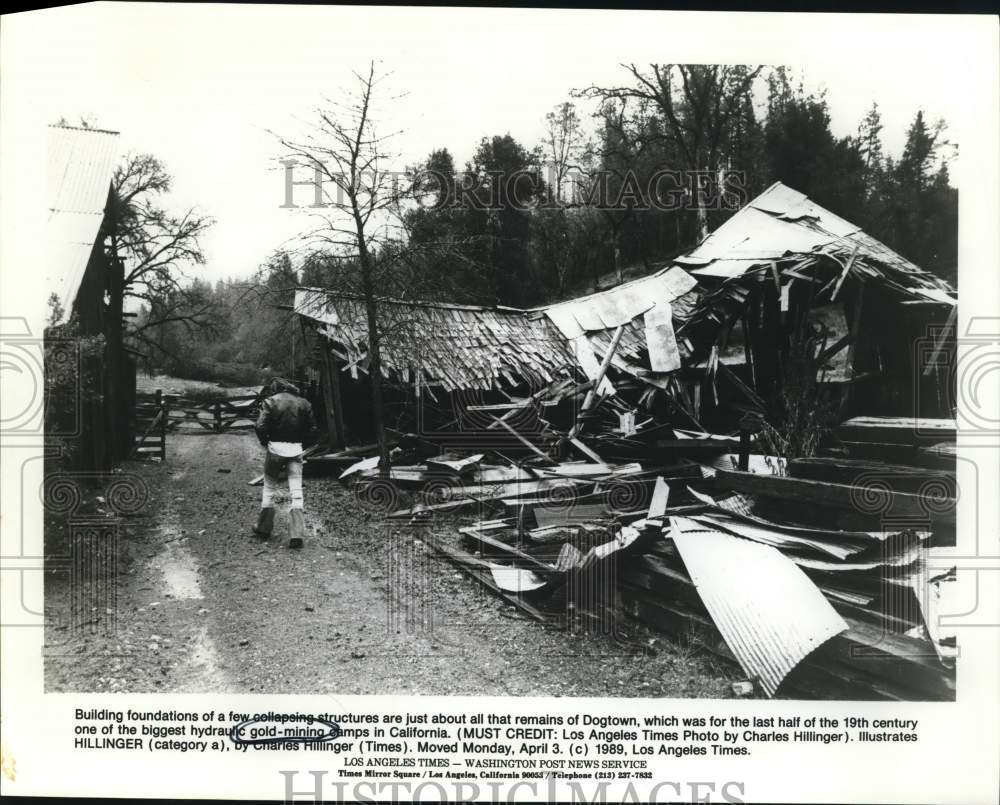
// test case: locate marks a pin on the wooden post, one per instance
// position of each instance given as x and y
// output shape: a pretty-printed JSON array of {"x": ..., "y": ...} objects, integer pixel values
[
  {"x": 744, "y": 449},
  {"x": 164, "y": 411},
  {"x": 932, "y": 362},
  {"x": 748, "y": 425},
  {"x": 852, "y": 346},
  {"x": 117, "y": 418},
  {"x": 217, "y": 410},
  {"x": 332, "y": 410},
  {"x": 338, "y": 405}
]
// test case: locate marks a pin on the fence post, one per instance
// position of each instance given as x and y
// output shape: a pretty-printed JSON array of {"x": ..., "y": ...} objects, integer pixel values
[
  {"x": 218, "y": 418},
  {"x": 162, "y": 411},
  {"x": 749, "y": 425}
]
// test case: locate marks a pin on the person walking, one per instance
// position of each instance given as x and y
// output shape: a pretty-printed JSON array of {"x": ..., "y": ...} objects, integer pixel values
[{"x": 284, "y": 425}]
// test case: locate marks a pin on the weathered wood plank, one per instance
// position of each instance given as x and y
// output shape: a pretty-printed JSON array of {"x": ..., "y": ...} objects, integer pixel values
[
  {"x": 897, "y": 430},
  {"x": 494, "y": 547},
  {"x": 898, "y": 477},
  {"x": 870, "y": 499},
  {"x": 480, "y": 570}
]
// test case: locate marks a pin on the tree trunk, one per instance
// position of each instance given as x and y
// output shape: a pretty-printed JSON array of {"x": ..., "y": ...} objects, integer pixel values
[
  {"x": 374, "y": 352},
  {"x": 117, "y": 426},
  {"x": 702, "y": 216}
]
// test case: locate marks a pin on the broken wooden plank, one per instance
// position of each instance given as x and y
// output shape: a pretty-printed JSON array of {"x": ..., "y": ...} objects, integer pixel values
[
  {"x": 601, "y": 372},
  {"x": 480, "y": 570},
  {"x": 360, "y": 466},
  {"x": 579, "y": 469},
  {"x": 489, "y": 546},
  {"x": 427, "y": 508},
  {"x": 843, "y": 275},
  {"x": 458, "y": 466},
  {"x": 524, "y": 441},
  {"x": 586, "y": 451},
  {"x": 569, "y": 514},
  {"x": 658, "y": 504},
  {"x": 513, "y": 404}
]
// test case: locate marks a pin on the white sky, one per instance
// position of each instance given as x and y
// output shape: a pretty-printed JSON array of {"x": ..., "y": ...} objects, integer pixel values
[{"x": 199, "y": 86}]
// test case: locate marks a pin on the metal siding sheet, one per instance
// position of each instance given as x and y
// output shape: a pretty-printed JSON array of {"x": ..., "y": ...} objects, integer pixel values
[
  {"x": 783, "y": 221},
  {"x": 79, "y": 167},
  {"x": 779, "y": 199},
  {"x": 767, "y": 610},
  {"x": 607, "y": 310},
  {"x": 726, "y": 268},
  {"x": 660, "y": 339}
]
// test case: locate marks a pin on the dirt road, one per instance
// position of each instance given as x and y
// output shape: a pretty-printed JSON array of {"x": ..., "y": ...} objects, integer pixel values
[{"x": 365, "y": 607}]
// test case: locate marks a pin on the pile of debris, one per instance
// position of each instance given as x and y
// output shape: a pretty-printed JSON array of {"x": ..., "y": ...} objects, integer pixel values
[
  {"x": 622, "y": 454},
  {"x": 816, "y": 576}
]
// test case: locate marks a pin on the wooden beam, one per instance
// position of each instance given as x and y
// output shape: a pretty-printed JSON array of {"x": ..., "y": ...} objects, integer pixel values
[
  {"x": 523, "y": 441},
  {"x": 601, "y": 372},
  {"x": 748, "y": 392},
  {"x": 898, "y": 477},
  {"x": 873, "y": 500},
  {"x": 489, "y": 546},
  {"x": 332, "y": 409},
  {"x": 843, "y": 276},
  {"x": 898, "y": 430},
  {"x": 586, "y": 451},
  {"x": 939, "y": 344}
]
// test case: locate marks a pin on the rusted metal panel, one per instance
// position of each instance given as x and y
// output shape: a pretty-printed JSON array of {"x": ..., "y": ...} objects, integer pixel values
[
  {"x": 80, "y": 165},
  {"x": 769, "y": 612}
]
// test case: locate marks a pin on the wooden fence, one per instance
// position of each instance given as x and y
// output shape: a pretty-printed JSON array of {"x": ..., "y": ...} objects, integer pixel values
[
  {"x": 150, "y": 426},
  {"x": 158, "y": 414},
  {"x": 214, "y": 416}
]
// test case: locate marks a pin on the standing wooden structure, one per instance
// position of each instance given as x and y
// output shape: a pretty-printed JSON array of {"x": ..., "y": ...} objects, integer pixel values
[{"x": 86, "y": 280}]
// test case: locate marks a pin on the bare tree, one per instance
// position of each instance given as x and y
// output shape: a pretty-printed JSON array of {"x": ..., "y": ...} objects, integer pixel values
[
  {"x": 355, "y": 224},
  {"x": 155, "y": 249},
  {"x": 698, "y": 105}
]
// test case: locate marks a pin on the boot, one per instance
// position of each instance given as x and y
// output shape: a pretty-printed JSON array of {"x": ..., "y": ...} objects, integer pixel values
[
  {"x": 265, "y": 523},
  {"x": 297, "y": 527}
]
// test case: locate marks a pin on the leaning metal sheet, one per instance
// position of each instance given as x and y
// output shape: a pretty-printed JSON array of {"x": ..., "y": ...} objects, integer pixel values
[{"x": 768, "y": 611}]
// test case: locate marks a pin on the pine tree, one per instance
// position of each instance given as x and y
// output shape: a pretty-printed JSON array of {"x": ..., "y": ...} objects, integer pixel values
[{"x": 870, "y": 148}]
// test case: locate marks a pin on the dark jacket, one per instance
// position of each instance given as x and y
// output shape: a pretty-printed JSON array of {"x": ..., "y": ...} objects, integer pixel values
[{"x": 285, "y": 417}]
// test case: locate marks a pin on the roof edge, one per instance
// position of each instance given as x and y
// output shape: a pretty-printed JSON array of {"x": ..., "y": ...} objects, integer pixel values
[{"x": 83, "y": 128}]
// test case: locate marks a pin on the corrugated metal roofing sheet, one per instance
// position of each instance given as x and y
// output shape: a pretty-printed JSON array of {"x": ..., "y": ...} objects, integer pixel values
[
  {"x": 769, "y": 612},
  {"x": 80, "y": 165}
]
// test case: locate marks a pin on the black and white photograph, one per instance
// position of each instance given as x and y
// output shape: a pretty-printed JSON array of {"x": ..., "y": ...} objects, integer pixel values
[{"x": 491, "y": 353}]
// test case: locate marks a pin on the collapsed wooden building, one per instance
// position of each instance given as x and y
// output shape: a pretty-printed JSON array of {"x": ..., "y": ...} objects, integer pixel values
[{"x": 753, "y": 445}]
